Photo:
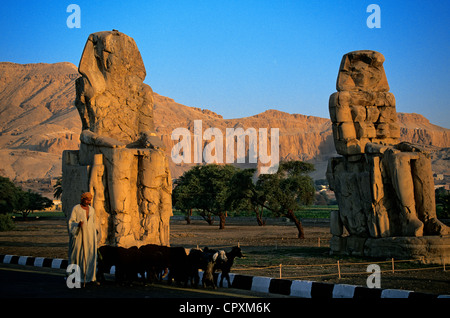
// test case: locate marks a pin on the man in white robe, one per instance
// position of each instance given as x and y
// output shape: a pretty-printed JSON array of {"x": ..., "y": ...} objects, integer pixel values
[{"x": 83, "y": 239}]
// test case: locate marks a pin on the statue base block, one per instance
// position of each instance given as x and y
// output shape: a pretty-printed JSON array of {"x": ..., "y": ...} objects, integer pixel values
[{"x": 429, "y": 249}]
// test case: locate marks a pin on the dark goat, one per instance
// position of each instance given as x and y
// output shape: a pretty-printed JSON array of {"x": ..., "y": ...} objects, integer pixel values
[
  {"x": 151, "y": 260},
  {"x": 177, "y": 266},
  {"x": 195, "y": 262},
  {"x": 129, "y": 264},
  {"x": 126, "y": 260},
  {"x": 155, "y": 261},
  {"x": 225, "y": 265},
  {"x": 107, "y": 258}
]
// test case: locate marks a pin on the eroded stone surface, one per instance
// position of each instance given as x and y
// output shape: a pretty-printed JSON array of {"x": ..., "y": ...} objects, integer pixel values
[
  {"x": 121, "y": 159},
  {"x": 384, "y": 188}
]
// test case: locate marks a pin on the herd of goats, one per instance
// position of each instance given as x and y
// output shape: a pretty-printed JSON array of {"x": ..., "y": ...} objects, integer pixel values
[{"x": 154, "y": 262}]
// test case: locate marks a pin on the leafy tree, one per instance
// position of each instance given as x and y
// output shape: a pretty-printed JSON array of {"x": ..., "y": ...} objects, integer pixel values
[
  {"x": 287, "y": 190},
  {"x": 214, "y": 182},
  {"x": 14, "y": 199},
  {"x": 31, "y": 201},
  {"x": 8, "y": 195},
  {"x": 321, "y": 198},
  {"x": 245, "y": 196},
  {"x": 205, "y": 188},
  {"x": 442, "y": 203},
  {"x": 8, "y": 200},
  {"x": 215, "y": 189},
  {"x": 6, "y": 223},
  {"x": 184, "y": 195}
]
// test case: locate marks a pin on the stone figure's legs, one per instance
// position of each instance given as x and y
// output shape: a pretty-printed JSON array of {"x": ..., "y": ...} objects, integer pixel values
[
  {"x": 425, "y": 197},
  {"x": 155, "y": 195},
  {"x": 122, "y": 183},
  {"x": 379, "y": 225},
  {"x": 97, "y": 188},
  {"x": 402, "y": 180}
]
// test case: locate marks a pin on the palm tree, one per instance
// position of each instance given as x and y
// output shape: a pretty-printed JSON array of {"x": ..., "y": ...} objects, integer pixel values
[{"x": 57, "y": 188}]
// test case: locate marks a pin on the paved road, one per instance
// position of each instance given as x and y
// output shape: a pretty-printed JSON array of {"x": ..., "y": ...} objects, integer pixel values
[
  {"x": 18, "y": 281},
  {"x": 35, "y": 289},
  {"x": 39, "y": 282},
  {"x": 28, "y": 289}
]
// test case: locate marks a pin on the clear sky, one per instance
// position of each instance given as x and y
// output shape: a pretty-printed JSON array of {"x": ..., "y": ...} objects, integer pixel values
[{"x": 242, "y": 57}]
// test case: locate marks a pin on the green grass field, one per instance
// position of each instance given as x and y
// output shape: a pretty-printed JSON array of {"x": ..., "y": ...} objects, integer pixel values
[
  {"x": 313, "y": 211},
  {"x": 40, "y": 214},
  {"x": 308, "y": 212}
]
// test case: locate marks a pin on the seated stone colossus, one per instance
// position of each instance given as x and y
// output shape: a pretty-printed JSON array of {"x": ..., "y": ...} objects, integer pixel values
[
  {"x": 121, "y": 159},
  {"x": 384, "y": 188}
]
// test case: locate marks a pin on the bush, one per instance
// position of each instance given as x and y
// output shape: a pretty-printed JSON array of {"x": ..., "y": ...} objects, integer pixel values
[
  {"x": 6, "y": 222},
  {"x": 442, "y": 203}
]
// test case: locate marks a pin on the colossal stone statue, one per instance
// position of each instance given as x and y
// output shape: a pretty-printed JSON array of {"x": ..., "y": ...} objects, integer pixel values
[
  {"x": 121, "y": 160},
  {"x": 384, "y": 187}
]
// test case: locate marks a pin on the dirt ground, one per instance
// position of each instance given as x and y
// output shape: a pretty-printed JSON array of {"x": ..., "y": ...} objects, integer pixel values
[{"x": 265, "y": 248}]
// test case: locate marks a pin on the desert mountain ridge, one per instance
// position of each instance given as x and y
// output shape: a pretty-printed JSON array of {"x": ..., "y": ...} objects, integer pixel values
[{"x": 38, "y": 120}]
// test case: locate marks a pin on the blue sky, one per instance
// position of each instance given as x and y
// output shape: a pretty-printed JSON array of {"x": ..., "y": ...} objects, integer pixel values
[{"x": 240, "y": 58}]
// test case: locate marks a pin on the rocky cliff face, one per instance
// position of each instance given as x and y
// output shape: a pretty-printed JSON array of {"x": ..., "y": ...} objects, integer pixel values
[
  {"x": 36, "y": 101},
  {"x": 38, "y": 120},
  {"x": 302, "y": 137},
  {"x": 416, "y": 128}
]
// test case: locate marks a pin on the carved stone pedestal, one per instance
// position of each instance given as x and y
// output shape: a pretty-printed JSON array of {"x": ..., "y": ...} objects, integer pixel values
[
  {"x": 427, "y": 249},
  {"x": 131, "y": 190}
]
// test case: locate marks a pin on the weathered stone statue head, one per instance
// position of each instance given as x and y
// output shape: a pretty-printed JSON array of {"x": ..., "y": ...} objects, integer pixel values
[
  {"x": 111, "y": 98},
  {"x": 362, "y": 71},
  {"x": 362, "y": 110}
]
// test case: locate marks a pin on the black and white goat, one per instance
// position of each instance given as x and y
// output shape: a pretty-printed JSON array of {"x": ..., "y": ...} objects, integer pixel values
[{"x": 224, "y": 264}]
